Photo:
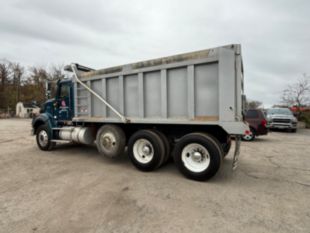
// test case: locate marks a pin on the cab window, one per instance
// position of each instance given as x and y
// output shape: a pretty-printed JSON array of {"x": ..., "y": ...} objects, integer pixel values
[{"x": 64, "y": 90}]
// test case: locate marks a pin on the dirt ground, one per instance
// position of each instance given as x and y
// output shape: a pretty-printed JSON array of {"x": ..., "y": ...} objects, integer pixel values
[{"x": 74, "y": 189}]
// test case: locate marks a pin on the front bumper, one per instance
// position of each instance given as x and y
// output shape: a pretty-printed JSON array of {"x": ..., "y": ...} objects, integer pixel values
[{"x": 275, "y": 125}]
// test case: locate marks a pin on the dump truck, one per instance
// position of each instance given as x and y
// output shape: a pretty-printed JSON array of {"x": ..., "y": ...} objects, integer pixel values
[{"x": 187, "y": 107}]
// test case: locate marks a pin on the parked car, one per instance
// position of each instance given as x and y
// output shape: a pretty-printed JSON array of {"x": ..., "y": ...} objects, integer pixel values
[
  {"x": 281, "y": 118},
  {"x": 257, "y": 123}
]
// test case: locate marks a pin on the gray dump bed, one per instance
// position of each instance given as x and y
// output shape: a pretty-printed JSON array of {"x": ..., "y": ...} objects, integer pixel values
[{"x": 203, "y": 87}]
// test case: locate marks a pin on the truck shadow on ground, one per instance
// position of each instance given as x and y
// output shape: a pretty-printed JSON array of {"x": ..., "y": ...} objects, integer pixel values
[
  {"x": 86, "y": 151},
  {"x": 258, "y": 139}
]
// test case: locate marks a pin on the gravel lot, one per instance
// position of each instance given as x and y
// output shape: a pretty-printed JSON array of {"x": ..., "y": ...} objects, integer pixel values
[{"x": 74, "y": 189}]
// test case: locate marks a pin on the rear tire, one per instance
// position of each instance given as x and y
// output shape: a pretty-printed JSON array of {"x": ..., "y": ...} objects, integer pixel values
[
  {"x": 43, "y": 137},
  {"x": 166, "y": 144},
  {"x": 198, "y": 156},
  {"x": 111, "y": 141},
  {"x": 226, "y": 147},
  {"x": 146, "y": 150}
]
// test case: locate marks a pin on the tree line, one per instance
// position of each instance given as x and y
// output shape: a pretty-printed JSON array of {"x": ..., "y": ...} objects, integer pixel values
[{"x": 26, "y": 84}]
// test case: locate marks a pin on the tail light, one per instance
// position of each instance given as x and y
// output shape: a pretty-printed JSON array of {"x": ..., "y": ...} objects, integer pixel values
[{"x": 264, "y": 123}]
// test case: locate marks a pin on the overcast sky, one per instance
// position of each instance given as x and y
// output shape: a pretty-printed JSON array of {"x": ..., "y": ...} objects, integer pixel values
[{"x": 275, "y": 35}]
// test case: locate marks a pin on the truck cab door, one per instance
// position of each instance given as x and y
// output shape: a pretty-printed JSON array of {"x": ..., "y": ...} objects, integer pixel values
[{"x": 64, "y": 101}]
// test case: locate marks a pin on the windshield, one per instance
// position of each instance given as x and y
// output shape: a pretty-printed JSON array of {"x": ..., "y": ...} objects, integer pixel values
[{"x": 283, "y": 111}]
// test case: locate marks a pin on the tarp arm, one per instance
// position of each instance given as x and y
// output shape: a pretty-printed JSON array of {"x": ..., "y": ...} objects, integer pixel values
[{"x": 75, "y": 71}]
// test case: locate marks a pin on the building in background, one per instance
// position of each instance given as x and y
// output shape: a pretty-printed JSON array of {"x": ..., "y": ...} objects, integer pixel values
[{"x": 26, "y": 110}]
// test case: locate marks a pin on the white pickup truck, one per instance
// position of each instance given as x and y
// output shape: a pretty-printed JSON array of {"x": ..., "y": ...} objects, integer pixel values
[{"x": 281, "y": 118}]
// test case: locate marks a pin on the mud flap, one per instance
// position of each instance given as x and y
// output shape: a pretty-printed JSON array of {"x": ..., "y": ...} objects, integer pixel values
[{"x": 237, "y": 152}]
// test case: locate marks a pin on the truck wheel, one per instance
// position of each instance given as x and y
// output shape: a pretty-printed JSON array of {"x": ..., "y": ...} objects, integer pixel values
[
  {"x": 146, "y": 150},
  {"x": 111, "y": 140},
  {"x": 166, "y": 144},
  {"x": 198, "y": 156},
  {"x": 226, "y": 147},
  {"x": 43, "y": 138},
  {"x": 250, "y": 136}
]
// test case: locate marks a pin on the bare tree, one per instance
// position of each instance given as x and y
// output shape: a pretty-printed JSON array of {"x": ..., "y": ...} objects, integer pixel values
[
  {"x": 17, "y": 73},
  {"x": 253, "y": 104},
  {"x": 297, "y": 94},
  {"x": 56, "y": 72},
  {"x": 26, "y": 84},
  {"x": 39, "y": 77},
  {"x": 4, "y": 75}
]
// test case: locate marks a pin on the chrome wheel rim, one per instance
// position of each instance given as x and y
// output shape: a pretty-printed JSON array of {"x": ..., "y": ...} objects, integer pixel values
[
  {"x": 143, "y": 151},
  {"x": 195, "y": 157},
  {"x": 43, "y": 138},
  {"x": 108, "y": 141}
]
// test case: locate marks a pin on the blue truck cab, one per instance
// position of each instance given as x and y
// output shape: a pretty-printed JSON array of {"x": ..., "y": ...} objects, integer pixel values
[{"x": 55, "y": 113}]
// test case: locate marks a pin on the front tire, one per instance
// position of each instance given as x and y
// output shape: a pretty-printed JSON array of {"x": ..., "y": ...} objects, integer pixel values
[
  {"x": 43, "y": 137},
  {"x": 198, "y": 156}
]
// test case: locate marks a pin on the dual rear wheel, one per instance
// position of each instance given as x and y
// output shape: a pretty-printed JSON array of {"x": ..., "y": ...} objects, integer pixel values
[
  {"x": 198, "y": 156},
  {"x": 148, "y": 149}
]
